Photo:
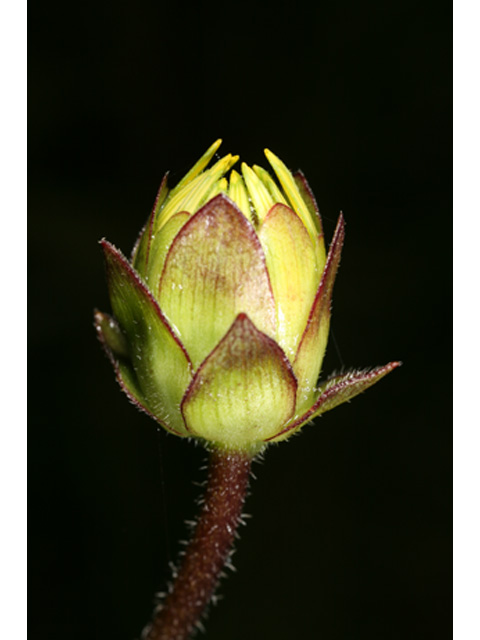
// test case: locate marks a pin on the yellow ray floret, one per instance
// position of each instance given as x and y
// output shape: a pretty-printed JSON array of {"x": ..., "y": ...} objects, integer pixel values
[
  {"x": 221, "y": 186},
  {"x": 270, "y": 183},
  {"x": 238, "y": 193},
  {"x": 199, "y": 166},
  {"x": 291, "y": 191},
  {"x": 261, "y": 199},
  {"x": 196, "y": 193}
]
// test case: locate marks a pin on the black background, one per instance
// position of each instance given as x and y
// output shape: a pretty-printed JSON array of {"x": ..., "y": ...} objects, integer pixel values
[{"x": 350, "y": 536}]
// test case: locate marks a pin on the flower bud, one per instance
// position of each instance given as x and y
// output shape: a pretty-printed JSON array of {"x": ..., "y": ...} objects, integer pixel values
[{"x": 221, "y": 317}]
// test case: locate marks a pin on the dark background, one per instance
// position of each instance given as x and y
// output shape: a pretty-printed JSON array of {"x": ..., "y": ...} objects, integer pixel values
[{"x": 350, "y": 536}]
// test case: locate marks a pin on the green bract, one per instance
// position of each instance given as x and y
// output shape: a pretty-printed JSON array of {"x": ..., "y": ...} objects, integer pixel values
[{"x": 221, "y": 318}]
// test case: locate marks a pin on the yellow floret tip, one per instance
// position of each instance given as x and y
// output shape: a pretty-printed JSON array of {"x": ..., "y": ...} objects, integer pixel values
[
  {"x": 291, "y": 191},
  {"x": 261, "y": 199},
  {"x": 238, "y": 193},
  {"x": 194, "y": 194},
  {"x": 199, "y": 166}
]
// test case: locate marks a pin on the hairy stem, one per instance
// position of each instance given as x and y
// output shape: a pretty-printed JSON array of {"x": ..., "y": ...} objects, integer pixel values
[{"x": 208, "y": 550}]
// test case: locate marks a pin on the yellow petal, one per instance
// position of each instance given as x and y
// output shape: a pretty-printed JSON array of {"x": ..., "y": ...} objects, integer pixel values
[
  {"x": 221, "y": 186},
  {"x": 199, "y": 166},
  {"x": 238, "y": 193},
  {"x": 292, "y": 192},
  {"x": 271, "y": 185},
  {"x": 261, "y": 199},
  {"x": 196, "y": 193}
]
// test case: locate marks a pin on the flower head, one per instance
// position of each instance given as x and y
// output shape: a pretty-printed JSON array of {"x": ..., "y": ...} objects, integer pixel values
[{"x": 221, "y": 318}]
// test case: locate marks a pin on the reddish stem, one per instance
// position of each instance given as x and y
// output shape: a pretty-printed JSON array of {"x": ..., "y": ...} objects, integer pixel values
[{"x": 208, "y": 550}]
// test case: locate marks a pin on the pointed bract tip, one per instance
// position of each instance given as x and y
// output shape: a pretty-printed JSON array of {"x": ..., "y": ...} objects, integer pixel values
[
  {"x": 106, "y": 245},
  {"x": 394, "y": 365},
  {"x": 243, "y": 317},
  {"x": 339, "y": 233},
  {"x": 110, "y": 252}
]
